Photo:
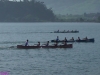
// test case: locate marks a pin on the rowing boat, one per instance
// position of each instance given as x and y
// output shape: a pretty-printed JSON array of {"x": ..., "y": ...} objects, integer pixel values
[
  {"x": 83, "y": 40},
  {"x": 66, "y": 31},
  {"x": 86, "y": 40},
  {"x": 34, "y": 47}
]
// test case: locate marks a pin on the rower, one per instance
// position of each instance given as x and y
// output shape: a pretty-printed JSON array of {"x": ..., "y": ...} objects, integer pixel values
[
  {"x": 26, "y": 44},
  {"x": 38, "y": 44},
  {"x": 58, "y": 30},
  {"x": 72, "y": 31},
  {"x": 72, "y": 39},
  {"x": 78, "y": 38},
  {"x": 85, "y": 38},
  {"x": 64, "y": 30},
  {"x": 47, "y": 43},
  {"x": 65, "y": 42},
  {"x": 65, "y": 39},
  {"x": 56, "y": 43},
  {"x": 57, "y": 39},
  {"x": 68, "y": 31}
]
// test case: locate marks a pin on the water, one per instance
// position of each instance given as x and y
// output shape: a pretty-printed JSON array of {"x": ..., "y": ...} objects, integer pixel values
[{"x": 82, "y": 59}]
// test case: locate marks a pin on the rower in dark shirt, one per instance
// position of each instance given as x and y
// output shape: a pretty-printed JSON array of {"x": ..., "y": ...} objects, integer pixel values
[
  {"x": 47, "y": 43},
  {"x": 65, "y": 42},
  {"x": 57, "y": 39},
  {"x": 79, "y": 38},
  {"x": 65, "y": 39},
  {"x": 26, "y": 44},
  {"x": 38, "y": 44},
  {"x": 72, "y": 39},
  {"x": 85, "y": 38},
  {"x": 56, "y": 43}
]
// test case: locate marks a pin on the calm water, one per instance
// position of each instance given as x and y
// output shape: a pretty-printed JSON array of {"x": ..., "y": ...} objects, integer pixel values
[{"x": 82, "y": 59}]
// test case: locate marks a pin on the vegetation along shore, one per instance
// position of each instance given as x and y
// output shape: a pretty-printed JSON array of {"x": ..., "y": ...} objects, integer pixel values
[{"x": 36, "y": 11}]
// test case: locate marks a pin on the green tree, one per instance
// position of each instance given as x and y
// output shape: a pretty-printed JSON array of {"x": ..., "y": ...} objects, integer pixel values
[{"x": 26, "y": 11}]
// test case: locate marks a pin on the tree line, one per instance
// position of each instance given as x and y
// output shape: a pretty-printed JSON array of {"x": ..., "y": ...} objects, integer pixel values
[
  {"x": 86, "y": 17},
  {"x": 26, "y": 11},
  {"x": 36, "y": 11}
]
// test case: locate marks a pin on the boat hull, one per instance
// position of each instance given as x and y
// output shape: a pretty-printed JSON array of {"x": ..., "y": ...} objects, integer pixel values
[
  {"x": 34, "y": 47},
  {"x": 88, "y": 40},
  {"x": 27, "y": 47}
]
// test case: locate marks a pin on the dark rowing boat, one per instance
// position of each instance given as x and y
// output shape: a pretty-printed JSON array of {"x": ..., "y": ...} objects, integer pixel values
[
  {"x": 66, "y": 31},
  {"x": 84, "y": 40},
  {"x": 34, "y": 47}
]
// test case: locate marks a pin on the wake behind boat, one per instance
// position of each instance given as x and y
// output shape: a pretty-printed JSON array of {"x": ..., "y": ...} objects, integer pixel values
[{"x": 50, "y": 46}]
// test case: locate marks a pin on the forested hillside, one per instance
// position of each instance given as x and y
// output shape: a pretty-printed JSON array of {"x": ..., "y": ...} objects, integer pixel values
[
  {"x": 41, "y": 11},
  {"x": 73, "y": 6},
  {"x": 30, "y": 11}
]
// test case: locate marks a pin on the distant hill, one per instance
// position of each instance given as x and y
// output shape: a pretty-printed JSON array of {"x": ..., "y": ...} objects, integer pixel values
[
  {"x": 25, "y": 11},
  {"x": 73, "y": 6}
]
